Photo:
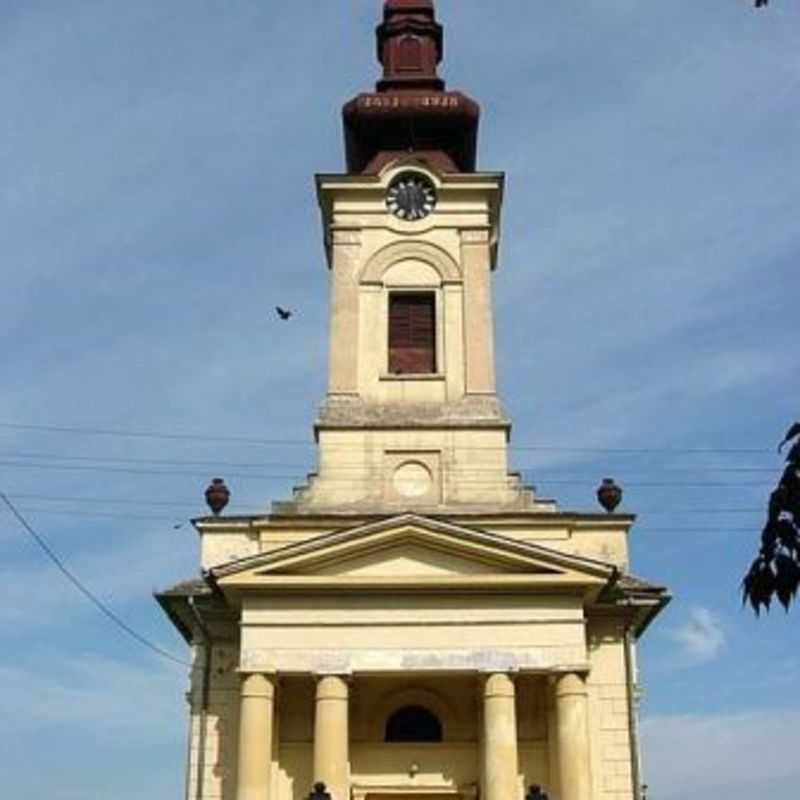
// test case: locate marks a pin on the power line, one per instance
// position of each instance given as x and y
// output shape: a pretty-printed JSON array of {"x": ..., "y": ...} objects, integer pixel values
[
  {"x": 97, "y": 514},
  {"x": 211, "y": 463},
  {"x": 64, "y": 429},
  {"x": 214, "y": 464},
  {"x": 262, "y": 512},
  {"x": 681, "y": 511},
  {"x": 135, "y": 471},
  {"x": 502, "y": 481},
  {"x": 87, "y": 593},
  {"x": 666, "y": 484},
  {"x": 147, "y": 434},
  {"x": 188, "y": 504},
  {"x": 641, "y": 525},
  {"x": 675, "y": 529}
]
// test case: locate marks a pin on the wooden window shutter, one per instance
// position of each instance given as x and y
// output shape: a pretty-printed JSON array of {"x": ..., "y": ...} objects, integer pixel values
[{"x": 412, "y": 334}]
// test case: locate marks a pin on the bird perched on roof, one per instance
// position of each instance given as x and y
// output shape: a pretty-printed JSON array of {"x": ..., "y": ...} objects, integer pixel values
[{"x": 284, "y": 313}]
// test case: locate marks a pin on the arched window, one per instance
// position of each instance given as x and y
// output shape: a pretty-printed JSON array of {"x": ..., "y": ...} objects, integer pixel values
[{"x": 413, "y": 724}]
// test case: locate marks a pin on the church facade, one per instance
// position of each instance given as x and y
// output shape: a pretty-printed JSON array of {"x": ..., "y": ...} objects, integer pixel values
[{"x": 414, "y": 622}]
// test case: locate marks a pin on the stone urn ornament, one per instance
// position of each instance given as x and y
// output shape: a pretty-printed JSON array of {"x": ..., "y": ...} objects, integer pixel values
[
  {"x": 217, "y": 496},
  {"x": 609, "y": 495}
]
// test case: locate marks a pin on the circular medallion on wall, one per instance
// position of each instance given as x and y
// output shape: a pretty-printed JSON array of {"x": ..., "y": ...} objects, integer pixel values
[
  {"x": 411, "y": 197},
  {"x": 412, "y": 480}
]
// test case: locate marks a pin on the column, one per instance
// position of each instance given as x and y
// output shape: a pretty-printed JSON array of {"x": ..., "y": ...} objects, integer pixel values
[
  {"x": 500, "y": 761},
  {"x": 572, "y": 725},
  {"x": 331, "y": 736},
  {"x": 553, "y": 787},
  {"x": 255, "y": 736}
]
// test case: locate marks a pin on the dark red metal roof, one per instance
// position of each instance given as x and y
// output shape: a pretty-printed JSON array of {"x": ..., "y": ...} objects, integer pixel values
[{"x": 410, "y": 110}]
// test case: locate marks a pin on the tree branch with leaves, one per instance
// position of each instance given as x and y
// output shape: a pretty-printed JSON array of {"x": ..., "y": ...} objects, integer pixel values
[{"x": 776, "y": 570}]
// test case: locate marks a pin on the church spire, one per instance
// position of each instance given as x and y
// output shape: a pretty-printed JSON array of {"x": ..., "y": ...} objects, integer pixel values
[{"x": 410, "y": 112}]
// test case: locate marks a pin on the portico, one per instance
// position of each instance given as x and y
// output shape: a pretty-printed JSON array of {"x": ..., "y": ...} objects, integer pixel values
[{"x": 498, "y": 770}]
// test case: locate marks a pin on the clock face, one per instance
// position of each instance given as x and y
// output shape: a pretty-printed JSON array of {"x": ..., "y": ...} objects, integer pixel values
[{"x": 411, "y": 197}]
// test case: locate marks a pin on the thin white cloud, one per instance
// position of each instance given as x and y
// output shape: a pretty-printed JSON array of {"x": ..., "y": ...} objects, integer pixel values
[
  {"x": 701, "y": 638},
  {"x": 99, "y": 693},
  {"x": 722, "y": 756}
]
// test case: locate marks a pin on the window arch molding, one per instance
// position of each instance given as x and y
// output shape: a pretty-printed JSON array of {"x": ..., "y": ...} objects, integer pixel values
[
  {"x": 414, "y": 696},
  {"x": 433, "y": 256}
]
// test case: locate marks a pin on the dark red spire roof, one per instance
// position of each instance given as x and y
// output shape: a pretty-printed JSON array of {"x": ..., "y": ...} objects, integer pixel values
[
  {"x": 410, "y": 111},
  {"x": 410, "y": 43}
]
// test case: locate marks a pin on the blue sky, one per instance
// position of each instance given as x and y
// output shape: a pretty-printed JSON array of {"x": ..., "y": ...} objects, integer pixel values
[{"x": 157, "y": 202}]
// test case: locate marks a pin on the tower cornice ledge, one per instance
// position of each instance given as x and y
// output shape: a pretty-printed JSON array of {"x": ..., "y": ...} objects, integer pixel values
[{"x": 473, "y": 411}]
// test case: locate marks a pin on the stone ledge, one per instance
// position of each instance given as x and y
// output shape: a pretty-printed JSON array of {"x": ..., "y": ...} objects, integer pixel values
[{"x": 470, "y": 412}]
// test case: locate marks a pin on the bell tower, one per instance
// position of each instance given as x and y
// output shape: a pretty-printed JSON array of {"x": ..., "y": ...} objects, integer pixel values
[{"x": 411, "y": 231}]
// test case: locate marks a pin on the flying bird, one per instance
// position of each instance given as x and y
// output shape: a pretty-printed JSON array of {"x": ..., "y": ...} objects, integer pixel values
[
  {"x": 792, "y": 433},
  {"x": 284, "y": 313},
  {"x": 762, "y": 3}
]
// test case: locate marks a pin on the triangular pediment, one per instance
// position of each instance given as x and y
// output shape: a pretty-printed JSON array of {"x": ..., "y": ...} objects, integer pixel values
[
  {"x": 408, "y": 557},
  {"x": 411, "y": 550}
]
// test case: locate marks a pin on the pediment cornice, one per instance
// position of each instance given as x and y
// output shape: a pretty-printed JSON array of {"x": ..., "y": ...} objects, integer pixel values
[{"x": 411, "y": 551}]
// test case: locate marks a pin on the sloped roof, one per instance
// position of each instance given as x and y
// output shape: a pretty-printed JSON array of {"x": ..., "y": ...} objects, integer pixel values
[{"x": 495, "y": 561}]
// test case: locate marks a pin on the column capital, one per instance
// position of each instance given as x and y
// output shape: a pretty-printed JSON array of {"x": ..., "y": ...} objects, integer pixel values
[
  {"x": 333, "y": 687},
  {"x": 570, "y": 683},
  {"x": 257, "y": 684},
  {"x": 498, "y": 684}
]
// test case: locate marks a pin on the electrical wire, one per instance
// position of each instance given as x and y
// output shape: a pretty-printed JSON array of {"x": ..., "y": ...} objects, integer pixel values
[
  {"x": 215, "y": 464},
  {"x": 147, "y": 434},
  {"x": 64, "y": 429},
  {"x": 187, "y": 505},
  {"x": 87, "y": 593},
  {"x": 641, "y": 514},
  {"x": 502, "y": 481},
  {"x": 135, "y": 471},
  {"x": 48, "y": 498},
  {"x": 96, "y": 514},
  {"x": 644, "y": 528}
]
